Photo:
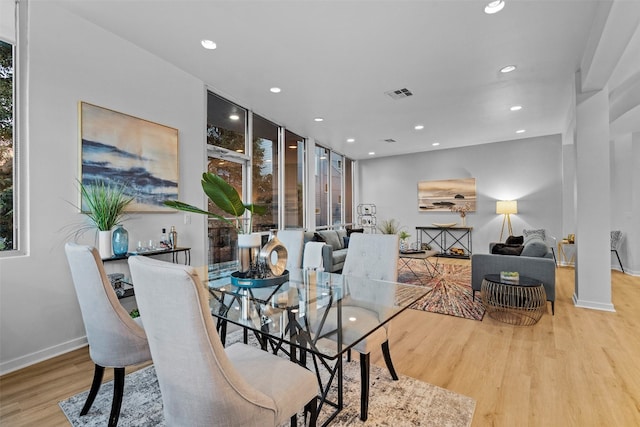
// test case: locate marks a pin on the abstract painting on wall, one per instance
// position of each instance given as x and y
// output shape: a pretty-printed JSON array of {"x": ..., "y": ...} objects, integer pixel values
[
  {"x": 118, "y": 148},
  {"x": 442, "y": 195}
]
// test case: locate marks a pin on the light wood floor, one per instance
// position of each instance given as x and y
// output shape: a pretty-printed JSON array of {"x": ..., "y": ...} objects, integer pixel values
[{"x": 578, "y": 368}]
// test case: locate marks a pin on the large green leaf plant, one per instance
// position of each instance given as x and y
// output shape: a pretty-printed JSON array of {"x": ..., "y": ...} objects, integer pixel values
[{"x": 224, "y": 196}]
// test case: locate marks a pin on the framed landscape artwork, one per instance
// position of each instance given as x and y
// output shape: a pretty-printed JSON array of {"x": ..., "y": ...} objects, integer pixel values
[
  {"x": 118, "y": 148},
  {"x": 439, "y": 196}
]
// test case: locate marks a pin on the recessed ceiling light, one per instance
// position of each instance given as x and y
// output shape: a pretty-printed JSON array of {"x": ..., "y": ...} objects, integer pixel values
[
  {"x": 372, "y": 153},
  {"x": 516, "y": 108},
  {"x": 234, "y": 117},
  {"x": 520, "y": 131},
  {"x": 318, "y": 119},
  {"x": 435, "y": 144},
  {"x": 239, "y": 150},
  {"x": 293, "y": 147},
  {"x": 494, "y": 7},
  {"x": 508, "y": 69},
  {"x": 351, "y": 140},
  {"x": 208, "y": 44},
  {"x": 418, "y": 127},
  {"x": 275, "y": 89}
]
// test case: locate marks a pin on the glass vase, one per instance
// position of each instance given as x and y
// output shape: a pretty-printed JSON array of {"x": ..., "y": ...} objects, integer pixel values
[{"x": 120, "y": 241}]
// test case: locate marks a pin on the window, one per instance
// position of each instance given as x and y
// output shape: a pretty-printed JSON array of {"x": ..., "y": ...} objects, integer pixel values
[
  {"x": 7, "y": 168},
  {"x": 336, "y": 170},
  {"x": 348, "y": 191},
  {"x": 322, "y": 186},
  {"x": 293, "y": 180},
  {"x": 225, "y": 124},
  {"x": 264, "y": 176}
]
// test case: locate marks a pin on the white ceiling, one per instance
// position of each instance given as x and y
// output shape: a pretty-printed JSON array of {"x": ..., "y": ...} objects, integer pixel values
[{"x": 336, "y": 60}]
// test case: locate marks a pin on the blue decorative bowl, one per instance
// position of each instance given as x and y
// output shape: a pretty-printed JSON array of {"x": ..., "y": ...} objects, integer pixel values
[{"x": 248, "y": 282}]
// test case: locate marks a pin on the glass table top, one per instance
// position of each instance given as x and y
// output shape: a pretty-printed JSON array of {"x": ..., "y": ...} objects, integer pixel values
[{"x": 325, "y": 313}]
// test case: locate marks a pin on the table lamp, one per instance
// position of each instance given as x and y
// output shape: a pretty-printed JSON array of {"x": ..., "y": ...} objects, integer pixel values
[{"x": 506, "y": 208}]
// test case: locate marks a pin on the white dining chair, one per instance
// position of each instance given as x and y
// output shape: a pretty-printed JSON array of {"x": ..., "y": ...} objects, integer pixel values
[
  {"x": 201, "y": 382},
  {"x": 293, "y": 240},
  {"x": 115, "y": 339},
  {"x": 372, "y": 256}
]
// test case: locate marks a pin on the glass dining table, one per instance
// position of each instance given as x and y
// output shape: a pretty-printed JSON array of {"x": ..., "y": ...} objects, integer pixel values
[{"x": 313, "y": 317}]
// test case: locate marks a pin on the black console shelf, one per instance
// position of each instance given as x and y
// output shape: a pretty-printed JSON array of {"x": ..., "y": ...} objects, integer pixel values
[{"x": 443, "y": 239}]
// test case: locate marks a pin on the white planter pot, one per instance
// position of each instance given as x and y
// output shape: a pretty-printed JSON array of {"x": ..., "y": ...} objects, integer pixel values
[
  {"x": 248, "y": 248},
  {"x": 104, "y": 244},
  {"x": 252, "y": 240}
]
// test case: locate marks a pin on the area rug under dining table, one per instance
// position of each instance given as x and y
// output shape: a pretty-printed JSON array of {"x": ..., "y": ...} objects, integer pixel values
[{"x": 406, "y": 402}]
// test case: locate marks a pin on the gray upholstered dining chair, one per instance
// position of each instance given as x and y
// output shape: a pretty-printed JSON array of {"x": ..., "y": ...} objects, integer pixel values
[
  {"x": 115, "y": 339},
  {"x": 293, "y": 240},
  {"x": 201, "y": 382},
  {"x": 373, "y": 256}
]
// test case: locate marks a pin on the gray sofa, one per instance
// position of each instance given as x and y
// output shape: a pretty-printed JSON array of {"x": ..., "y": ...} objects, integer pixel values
[
  {"x": 541, "y": 268},
  {"x": 334, "y": 251}
]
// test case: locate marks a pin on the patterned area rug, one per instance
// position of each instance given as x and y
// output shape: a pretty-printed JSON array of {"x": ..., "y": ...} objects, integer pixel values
[
  {"x": 406, "y": 402},
  {"x": 451, "y": 289}
]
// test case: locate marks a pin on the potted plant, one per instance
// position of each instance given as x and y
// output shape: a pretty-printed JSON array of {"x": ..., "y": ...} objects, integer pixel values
[
  {"x": 389, "y": 226},
  {"x": 404, "y": 235},
  {"x": 224, "y": 196},
  {"x": 104, "y": 205}
]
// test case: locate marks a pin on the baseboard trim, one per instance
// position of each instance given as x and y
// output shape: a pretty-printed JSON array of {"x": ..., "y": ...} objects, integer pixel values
[
  {"x": 39, "y": 356},
  {"x": 592, "y": 305}
]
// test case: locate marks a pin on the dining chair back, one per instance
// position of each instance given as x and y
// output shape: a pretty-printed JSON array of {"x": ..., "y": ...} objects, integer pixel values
[
  {"x": 293, "y": 240},
  {"x": 115, "y": 339},
  {"x": 201, "y": 382},
  {"x": 372, "y": 256}
]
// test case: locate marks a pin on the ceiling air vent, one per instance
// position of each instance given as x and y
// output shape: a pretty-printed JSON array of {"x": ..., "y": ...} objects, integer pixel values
[
  {"x": 389, "y": 140},
  {"x": 399, "y": 93}
]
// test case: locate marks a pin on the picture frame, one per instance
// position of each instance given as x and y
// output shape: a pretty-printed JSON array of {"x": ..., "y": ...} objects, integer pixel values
[
  {"x": 118, "y": 148},
  {"x": 442, "y": 195}
]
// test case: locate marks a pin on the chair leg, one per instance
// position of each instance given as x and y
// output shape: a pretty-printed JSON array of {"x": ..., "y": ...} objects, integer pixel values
[
  {"x": 312, "y": 408},
  {"x": 118, "y": 389},
  {"x": 618, "y": 256},
  {"x": 98, "y": 372},
  {"x": 364, "y": 386},
  {"x": 553, "y": 308},
  {"x": 388, "y": 361}
]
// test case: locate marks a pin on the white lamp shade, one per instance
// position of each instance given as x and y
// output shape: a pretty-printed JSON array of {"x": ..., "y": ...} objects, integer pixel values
[{"x": 506, "y": 207}]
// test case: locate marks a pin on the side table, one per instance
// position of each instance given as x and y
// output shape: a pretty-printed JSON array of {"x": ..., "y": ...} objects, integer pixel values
[
  {"x": 517, "y": 303},
  {"x": 406, "y": 258}
]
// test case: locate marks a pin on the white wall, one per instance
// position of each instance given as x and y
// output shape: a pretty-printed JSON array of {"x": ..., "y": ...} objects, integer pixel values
[
  {"x": 71, "y": 60},
  {"x": 527, "y": 170},
  {"x": 625, "y": 199}
]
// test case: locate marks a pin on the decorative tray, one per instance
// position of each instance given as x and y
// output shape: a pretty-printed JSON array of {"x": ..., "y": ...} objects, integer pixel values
[
  {"x": 447, "y": 225},
  {"x": 248, "y": 282}
]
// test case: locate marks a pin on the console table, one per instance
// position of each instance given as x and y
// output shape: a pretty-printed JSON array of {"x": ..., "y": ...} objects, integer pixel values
[
  {"x": 444, "y": 239},
  {"x": 128, "y": 287}
]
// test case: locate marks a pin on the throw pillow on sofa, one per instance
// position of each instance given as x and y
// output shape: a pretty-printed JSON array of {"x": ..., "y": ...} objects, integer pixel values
[
  {"x": 514, "y": 240},
  {"x": 534, "y": 247},
  {"x": 332, "y": 238},
  {"x": 506, "y": 249},
  {"x": 540, "y": 233}
]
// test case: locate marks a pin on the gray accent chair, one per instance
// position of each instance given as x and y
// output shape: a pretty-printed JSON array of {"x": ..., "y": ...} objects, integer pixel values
[
  {"x": 374, "y": 256},
  {"x": 541, "y": 268},
  {"x": 616, "y": 241},
  {"x": 201, "y": 382},
  {"x": 115, "y": 339}
]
